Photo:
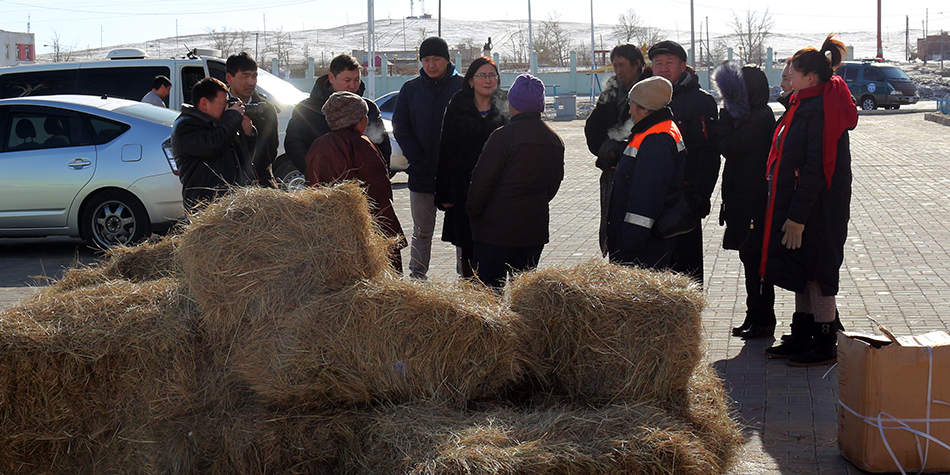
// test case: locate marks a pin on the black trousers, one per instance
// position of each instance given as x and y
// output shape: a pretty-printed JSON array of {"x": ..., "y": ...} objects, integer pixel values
[
  {"x": 687, "y": 257},
  {"x": 760, "y": 296},
  {"x": 493, "y": 263}
]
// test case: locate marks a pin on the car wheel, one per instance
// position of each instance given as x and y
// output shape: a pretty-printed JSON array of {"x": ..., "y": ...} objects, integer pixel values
[
  {"x": 868, "y": 103},
  {"x": 114, "y": 218},
  {"x": 898, "y": 106},
  {"x": 287, "y": 174}
]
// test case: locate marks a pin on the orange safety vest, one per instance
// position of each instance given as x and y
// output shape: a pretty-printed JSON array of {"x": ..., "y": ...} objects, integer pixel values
[{"x": 665, "y": 127}]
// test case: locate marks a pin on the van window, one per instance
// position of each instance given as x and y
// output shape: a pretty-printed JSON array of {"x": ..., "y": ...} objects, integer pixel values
[
  {"x": 218, "y": 71},
  {"x": 39, "y": 83},
  {"x": 850, "y": 74},
  {"x": 895, "y": 73},
  {"x": 190, "y": 75},
  {"x": 872, "y": 74},
  {"x": 126, "y": 82}
]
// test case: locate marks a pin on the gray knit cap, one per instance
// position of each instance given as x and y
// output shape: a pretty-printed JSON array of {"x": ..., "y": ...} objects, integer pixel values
[{"x": 344, "y": 109}]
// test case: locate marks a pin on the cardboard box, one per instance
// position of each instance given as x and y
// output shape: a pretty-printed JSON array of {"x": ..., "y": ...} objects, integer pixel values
[{"x": 894, "y": 402}]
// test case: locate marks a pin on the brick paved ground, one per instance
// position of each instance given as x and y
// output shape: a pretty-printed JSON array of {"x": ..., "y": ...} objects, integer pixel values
[{"x": 897, "y": 263}]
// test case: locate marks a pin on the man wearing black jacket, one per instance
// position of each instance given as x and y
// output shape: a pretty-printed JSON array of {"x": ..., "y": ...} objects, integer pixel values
[
  {"x": 242, "y": 78},
  {"x": 212, "y": 154},
  {"x": 308, "y": 122},
  {"x": 695, "y": 113}
]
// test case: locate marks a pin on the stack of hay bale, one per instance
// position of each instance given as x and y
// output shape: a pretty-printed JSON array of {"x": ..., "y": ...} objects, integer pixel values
[{"x": 269, "y": 337}]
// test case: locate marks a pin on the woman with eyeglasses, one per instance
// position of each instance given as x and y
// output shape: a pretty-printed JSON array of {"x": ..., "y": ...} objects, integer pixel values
[{"x": 472, "y": 115}]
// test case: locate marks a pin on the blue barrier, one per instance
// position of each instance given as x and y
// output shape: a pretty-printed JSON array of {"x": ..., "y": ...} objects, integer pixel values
[{"x": 943, "y": 105}]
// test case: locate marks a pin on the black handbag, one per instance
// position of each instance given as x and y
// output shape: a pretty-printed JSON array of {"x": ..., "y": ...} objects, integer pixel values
[{"x": 676, "y": 218}]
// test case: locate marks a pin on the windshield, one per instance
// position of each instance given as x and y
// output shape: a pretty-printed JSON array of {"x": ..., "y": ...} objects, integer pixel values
[
  {"x": 278, "y": 90},
  {"x": 149, "y": 112},
  {"x": 894, "y": 73}
]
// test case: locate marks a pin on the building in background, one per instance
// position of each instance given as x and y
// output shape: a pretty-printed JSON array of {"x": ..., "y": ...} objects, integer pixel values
[{"x": 16, "y": 48}]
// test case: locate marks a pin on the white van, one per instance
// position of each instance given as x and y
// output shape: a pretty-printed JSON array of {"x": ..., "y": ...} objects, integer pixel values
[{"x": 128, "y": 74}]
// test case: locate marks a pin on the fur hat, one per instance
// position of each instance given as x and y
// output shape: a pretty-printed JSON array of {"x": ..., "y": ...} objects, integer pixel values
[
  {"x": 344, "y": 109},
  {"x": 653, "y": 93},
  {"x": 527, "y": 94}
]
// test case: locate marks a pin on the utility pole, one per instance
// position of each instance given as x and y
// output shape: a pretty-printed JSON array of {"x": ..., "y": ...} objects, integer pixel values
[
  {"x": 880, "y": 49},
  {"x": 708, "y": 54},
  {"x": 440, "y": 18},
  {"x": 907, "y": 38},
  {"x": 371, "y": 61},
  {"x": 531, "y": 61},
  {"x": 592, "y": 63},
  {"x": 692, "y": 36}
]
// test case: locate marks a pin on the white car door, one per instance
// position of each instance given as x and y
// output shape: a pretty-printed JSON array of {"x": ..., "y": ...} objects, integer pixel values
[{"x": 46, "y": 159}]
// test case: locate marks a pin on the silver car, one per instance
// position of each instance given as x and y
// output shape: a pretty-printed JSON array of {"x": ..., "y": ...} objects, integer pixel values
[{"x": 100, "y": 169}]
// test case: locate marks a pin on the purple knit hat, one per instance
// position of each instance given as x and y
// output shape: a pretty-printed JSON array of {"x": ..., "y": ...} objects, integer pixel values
[{"x": 527, "y": 94}]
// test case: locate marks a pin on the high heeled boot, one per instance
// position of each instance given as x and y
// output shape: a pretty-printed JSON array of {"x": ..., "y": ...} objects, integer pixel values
[{"x": 797, "y": 341}]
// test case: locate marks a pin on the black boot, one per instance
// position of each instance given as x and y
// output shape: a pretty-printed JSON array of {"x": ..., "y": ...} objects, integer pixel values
[
  {"x": 822, "y": 349},
  {"x": 797, "y": 341},
  {"x": 838, "y": 326},
  {"x": 736, "y": 331},
  {"x": 811, "y": 317},
  {"x": 762, "y": 327}
]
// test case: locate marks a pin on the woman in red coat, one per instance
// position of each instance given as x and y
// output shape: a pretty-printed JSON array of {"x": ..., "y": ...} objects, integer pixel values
[{"x": 806, "y": 224}]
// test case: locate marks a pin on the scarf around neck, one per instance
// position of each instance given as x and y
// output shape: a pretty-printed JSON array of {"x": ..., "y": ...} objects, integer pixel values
[{"x": 840, "y": 114}]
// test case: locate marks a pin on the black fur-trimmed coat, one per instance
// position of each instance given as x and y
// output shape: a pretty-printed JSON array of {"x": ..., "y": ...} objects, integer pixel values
[{"x": 746, "y": 124}]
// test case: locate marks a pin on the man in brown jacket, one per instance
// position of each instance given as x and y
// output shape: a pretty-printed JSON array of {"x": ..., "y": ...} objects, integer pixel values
[
  {"x": 346, "y": 154},
  {"x": 517, "y": 175}
]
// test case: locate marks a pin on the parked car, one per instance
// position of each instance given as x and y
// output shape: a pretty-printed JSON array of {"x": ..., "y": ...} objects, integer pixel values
[
  {"x": 97, "y": 168},
  {"x": 875, "y": 84},
  {"x": 387, "y": 104},
  {"x": 128, "y": 74}
]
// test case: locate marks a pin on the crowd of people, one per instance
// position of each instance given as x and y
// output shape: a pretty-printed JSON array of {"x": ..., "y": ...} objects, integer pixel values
[{"x": 486, "y": 158}]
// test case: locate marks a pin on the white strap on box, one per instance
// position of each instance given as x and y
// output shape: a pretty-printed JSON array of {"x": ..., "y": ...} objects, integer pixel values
[{"x": 882, "y": 417}]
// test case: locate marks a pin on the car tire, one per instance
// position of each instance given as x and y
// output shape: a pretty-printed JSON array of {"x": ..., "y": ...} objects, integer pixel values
[
  {"x": 898, "y": 106},
  {"x": 287, "y": 175},
  {"x": 868, "y": 103},
  {"x": 114, "y": 218}
]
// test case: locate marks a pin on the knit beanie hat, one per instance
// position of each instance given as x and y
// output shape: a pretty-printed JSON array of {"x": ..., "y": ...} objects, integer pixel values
[
  {"x": 344, "y": 109},
  {"x": 434, "y": 46},
  {"x": 527, "y": 94},
  {"x": 653, "y": 93}
]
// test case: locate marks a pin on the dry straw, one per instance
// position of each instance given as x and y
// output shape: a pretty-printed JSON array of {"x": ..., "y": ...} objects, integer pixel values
[
  {"x": 612, "y": 333},
  {"x": 613, "y": 439},
  {"x": 151, "y": 260},
  {"x": 256, "y": 253},
  {"x": 86, "y": 377},
  {"x": 388, "y": 339}
]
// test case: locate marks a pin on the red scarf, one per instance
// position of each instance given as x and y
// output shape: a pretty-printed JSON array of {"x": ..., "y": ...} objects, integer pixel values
[{"x": 840, "y": 114}]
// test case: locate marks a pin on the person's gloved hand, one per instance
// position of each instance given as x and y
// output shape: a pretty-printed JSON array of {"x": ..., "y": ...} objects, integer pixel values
[
  {"x": 609, "y": 154},
  {"x": 698, "y": 204}
]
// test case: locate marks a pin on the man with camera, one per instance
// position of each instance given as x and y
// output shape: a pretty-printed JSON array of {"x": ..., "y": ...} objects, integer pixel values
[
  {"x": 210, "y": 140},
  {"x": 242, "y": 79}
]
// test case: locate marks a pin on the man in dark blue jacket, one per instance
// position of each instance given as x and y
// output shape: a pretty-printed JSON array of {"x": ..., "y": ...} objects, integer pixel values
[{"x": 417, "y": 122}]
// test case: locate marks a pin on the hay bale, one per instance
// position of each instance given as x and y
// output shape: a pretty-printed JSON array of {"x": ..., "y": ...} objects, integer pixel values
[
  {"x": 614, "y": 439},
  {"x": 150, "y": 260},
  {"x": 610, "y": 333},
  {"x": 708, "y": 411},
  {"x": 384, "y": 340},
  {"x": 85, "y": 377},
  {"x": 258, "y": 252}
]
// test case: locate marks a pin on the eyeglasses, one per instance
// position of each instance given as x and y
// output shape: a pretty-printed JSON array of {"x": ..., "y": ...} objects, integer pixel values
[{"x": 486, "y": 75}]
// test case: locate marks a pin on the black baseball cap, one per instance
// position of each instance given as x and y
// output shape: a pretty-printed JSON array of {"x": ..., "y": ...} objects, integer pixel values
[{"x": 667, "y": 47}]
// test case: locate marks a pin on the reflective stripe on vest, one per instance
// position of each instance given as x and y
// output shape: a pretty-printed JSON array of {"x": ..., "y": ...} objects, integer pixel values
[
  {"x": 638, "y": 220},
  {"x": 665, "y": 127}
]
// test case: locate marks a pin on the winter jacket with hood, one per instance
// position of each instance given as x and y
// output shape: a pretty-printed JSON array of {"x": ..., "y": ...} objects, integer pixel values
[
  {"x": 746, "y": 123},
  {"x": 645, "y": 177},
  {"x": 417, "y": 121},
  {"x": 464, "y": 133},
  {"x": 212, "y": 154},
  {"x": 308, "y": 124},
  {"x": 695, "y": 112},
  {"x": 611, "y": 114},
  {"x": 801, "y": 193}
]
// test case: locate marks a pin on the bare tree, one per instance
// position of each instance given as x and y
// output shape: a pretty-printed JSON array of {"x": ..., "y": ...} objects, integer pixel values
[
  {"x": 283, "y": 47},
  {"x": 515, "y": 44},
  {"x": 554, "y": 41},
  {"x": 61, "y": 53},
  {"x": 222, "y": 40},
  {"x": 630, "y": 28},
  {"x": 752, "y": 32}
]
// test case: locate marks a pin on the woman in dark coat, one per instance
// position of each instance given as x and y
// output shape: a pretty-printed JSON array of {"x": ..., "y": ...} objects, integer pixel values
[
  {"x": 472, "y": 115},
  {"x": 746, "y": 123},
  {"x": 807, "y": 215}
]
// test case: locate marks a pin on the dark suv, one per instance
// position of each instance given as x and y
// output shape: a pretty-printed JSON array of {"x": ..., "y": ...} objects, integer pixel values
[{"x": 876, "y": 84}]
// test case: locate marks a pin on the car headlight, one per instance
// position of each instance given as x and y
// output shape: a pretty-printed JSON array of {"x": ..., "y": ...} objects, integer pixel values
[
  {"x": 892, "y": 91},
  {"x": 170, "y": 155}
]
